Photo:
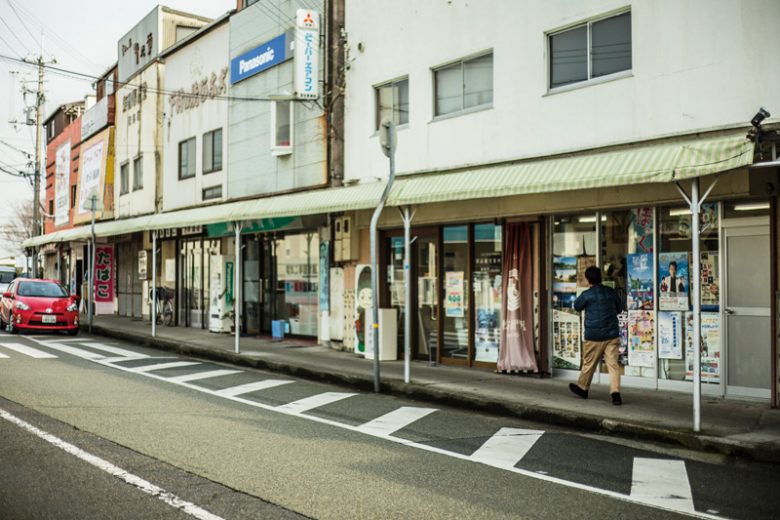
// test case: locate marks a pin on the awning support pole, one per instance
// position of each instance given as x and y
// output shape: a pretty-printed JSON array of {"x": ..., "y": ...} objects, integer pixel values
[
  {"x": 154, "y": 284},
  {"x": 93, "y": 200},
  {"x": 407, "y": 215},
  {"x": 237, "y": 288}
]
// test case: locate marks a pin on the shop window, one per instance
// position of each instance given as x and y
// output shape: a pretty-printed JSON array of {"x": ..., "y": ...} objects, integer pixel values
[
  {"x": 73, "y": 196},
  {"x": 124, "y": 179},
  {"x": 392, "y": 102},
  {"x": 297, "y": 296},
  {"x": 486, "y": 281},
  {"x": 455, "y": 340},
  {"x": 138, "y": 173},
  {"x": 187, "y": 159},
  {"x": 212, "y": 151},
  {"x": 591, "y": 50},
  {"x": 281, "y": 127},
  {"x": 464, "y": 85}
]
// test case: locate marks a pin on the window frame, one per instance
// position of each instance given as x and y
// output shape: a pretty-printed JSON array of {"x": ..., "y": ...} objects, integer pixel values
[
  {"x": 138, "y": 180},
  {"x": 390, "y": 83},
  {"x": 590, "y": 80},
  {"x": 204, "y": 190},
  {"x": 277, "y": 150},
  {"x": 461, "y": 62},
  {"x": 194, "y": 155},
  {"x": 124, "y": 180},
  {"x": 210, "y": 135}
]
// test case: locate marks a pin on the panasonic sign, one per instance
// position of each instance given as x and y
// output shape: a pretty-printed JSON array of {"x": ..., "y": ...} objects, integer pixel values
[{"x": 261, "y": 58}]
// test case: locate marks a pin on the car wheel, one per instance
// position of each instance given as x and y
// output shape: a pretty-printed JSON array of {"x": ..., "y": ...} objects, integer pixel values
[{"x": 9, "y": 327}]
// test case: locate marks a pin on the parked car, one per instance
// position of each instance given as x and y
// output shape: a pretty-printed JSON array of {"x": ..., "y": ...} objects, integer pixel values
[
  {"x": 7, "y": 275},
  {"x": 38, "y": 304}
]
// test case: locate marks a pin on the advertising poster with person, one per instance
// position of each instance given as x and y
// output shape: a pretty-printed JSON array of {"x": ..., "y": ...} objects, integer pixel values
[{"x": 673, "y": 281}]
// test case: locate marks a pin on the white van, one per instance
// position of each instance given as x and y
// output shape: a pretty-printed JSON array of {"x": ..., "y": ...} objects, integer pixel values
[{"x": 7, "y": 275}]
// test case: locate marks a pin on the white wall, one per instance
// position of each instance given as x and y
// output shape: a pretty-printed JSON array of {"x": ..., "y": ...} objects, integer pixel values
[
  {"x": 697, "y": 64},
  {"x": 205, "y": 58}
]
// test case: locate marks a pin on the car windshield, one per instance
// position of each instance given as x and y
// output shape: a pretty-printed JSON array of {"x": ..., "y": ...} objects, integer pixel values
[
  {"x": 7, "y": 276},
  {"x": 41, "y": 290}
]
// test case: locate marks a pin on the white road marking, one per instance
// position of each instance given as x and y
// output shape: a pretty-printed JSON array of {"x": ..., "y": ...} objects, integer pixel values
[
  {"x": 115, "y": 471},
  {"x": 234, "y": 391},
  {"x": 662, "y": 482},
  {"x": 391, "y": 422},
  {"x": 85, "y": 354},
  {"x": 162, "y": 366},
  {"x": 29, "y": 351},
  {"x": 3, "y": 356},
  {"x": 114, "y": 350},
  {"x": 315, "y": 401},
  {"x": 507, "y": 447},
  {"x": 203, "y": 375}
]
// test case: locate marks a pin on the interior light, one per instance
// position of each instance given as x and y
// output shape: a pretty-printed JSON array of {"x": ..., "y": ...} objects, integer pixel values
[
  {"x": 679, "y": 212},
  {"x": 585, "y": 220},
  {"x": 751, "y": 207}
]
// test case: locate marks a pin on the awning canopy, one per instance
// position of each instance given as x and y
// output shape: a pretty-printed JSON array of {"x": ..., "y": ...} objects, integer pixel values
[{"x": 659, "y": 162}]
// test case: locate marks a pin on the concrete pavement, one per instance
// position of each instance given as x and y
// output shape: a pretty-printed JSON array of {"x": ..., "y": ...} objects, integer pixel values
[{"x": 733, "y": 427}]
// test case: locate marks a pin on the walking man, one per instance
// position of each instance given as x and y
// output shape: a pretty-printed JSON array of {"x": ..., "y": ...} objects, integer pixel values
[{"x": 602, "y": 334}]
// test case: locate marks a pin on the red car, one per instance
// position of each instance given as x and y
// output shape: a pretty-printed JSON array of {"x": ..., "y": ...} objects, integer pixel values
[{"x": 34, "y": 304}]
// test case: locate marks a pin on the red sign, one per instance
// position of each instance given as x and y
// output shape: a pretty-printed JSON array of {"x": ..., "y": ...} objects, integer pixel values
[{"x": 104, "y": 273}]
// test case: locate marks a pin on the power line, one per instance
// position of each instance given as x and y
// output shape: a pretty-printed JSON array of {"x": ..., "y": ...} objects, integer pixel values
[
  {"x": 8, "y": 45},
  {"x": 14, "y": 35},
  {"x": 13, "y": 8}
]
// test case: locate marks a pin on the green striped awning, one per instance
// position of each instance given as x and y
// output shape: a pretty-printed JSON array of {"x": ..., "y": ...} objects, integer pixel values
[{"x": 638, "y": 164}]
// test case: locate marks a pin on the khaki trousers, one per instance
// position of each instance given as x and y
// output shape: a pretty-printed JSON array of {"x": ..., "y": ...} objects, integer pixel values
[{"x": 590, "y": 359}]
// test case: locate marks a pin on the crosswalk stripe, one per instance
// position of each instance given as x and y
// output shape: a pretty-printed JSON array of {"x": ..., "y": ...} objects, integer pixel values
[
  {"x": 162, "y": 366},
  {"x": 250, "y": 387},
  {"x": 507, "y": 447},
  {"x": 3, "y": 356},
  {"x": 202, "y": 375},
  {"x": 114, "y": 350},
  {"x": 391, "y": 422},
  {"x": 29, "y": 351},
  {"x": 85, "y": 354},
  {"x": 662, "y": 483},
  {"x": 314, "y": 401}
]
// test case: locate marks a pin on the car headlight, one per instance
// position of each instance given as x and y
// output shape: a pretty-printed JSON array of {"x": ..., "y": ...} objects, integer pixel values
[
  {"x": 22, "y": 306},
  {"x": 72, "y": 307}
]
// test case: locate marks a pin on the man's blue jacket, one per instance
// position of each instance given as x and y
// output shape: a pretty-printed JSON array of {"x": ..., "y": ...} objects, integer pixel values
[{"x": 601, "y": 305}]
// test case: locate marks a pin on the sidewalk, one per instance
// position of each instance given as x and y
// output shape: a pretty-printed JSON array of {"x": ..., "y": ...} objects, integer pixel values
[{"x": 732, "y": 427}]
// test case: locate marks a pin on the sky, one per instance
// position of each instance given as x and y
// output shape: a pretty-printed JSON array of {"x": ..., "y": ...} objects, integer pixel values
[{"x": 83, "y": 39}]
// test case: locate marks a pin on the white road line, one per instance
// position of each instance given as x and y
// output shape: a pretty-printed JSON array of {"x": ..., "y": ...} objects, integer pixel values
[
  {"x": 3, "y": 356},
  {"x": 234, "y": 391},
  {"x": 29, "y": 351},
  {"x": 202, "y": 375},
  {"x": 507, "y": 447},
  {"x": 391, "y": 422},
  {"x": 662, "y": 482},
  {"x": 433, "y": 449},
  {"x": 161, "y": 366},
  {"x": 315, "y": 401},
  {"x": 115, "y": 471},
  {"x": 85, "y": 354},
  {"x": 114, "y": 350}
]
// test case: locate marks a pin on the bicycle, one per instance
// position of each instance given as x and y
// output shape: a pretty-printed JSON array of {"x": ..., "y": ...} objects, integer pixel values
[{"x": 164, "y": 305}]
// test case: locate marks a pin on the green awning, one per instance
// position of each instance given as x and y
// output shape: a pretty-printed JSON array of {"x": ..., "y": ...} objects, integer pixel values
[{"x": 637, "y": 164}]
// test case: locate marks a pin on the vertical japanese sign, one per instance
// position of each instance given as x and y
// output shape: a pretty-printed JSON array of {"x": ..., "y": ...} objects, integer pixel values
[
  {"x": 91, "y": 169},
  {"x": 62, "y": 185},
  {"x": 104, "y": 273},
  {"x": 307, "y": 54}
]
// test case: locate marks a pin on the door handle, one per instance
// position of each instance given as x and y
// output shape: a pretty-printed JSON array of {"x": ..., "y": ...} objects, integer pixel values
[{"x": 728, "y": 311}]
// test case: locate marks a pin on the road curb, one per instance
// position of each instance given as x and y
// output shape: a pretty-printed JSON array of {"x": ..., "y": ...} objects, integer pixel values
[{"x": 700, "y": 442}]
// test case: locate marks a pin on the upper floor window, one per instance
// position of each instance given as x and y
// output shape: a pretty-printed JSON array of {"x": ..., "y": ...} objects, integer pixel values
[
  {"x": 138, "y": 173},
  {"x": 281, "y": 127},
  {"x": 187, "y": 158},
  {"x": 212, "y": 151},
  {"x": 392, "y": 102},
  {"x": 463, "y": 85},
  {"x": 124, "y": 179},
  {"x": 214, "y": 192},
  {"x": 590, "y": 50}
]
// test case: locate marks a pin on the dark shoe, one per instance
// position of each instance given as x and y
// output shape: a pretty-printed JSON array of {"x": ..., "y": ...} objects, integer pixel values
[
  {"x": 616, "y": 400},
  {"x": 575, "y": 388}
]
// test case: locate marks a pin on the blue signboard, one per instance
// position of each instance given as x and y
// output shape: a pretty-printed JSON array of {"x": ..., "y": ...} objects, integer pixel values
[{"x": 260, "y": 58}]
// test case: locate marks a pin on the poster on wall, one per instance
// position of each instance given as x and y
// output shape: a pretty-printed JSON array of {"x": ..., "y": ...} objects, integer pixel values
[
  {"x": 336, "y": 321},
  {"x": 324, "y": 276},
  {"x": 642, "y": 230},
  {"x": 710, "y": 347},
  {"x": 564, "y": 281},
  {"x": 566, "y": 340},
  {"x": 623, "y": 349},
  {"x": 104, "y": 273},
  {"x": 640, "y": 281},
  {"x": 363, "y": 296},
  {"x": 583, "y": 262},
  {"x": 641, "y": 340},
  {"x": 673, "y": 281},
  {"x": 670, "y": 335},
  {"x": 453, "y": 294},
  {"x": 710, "y": 283},
  {"x": 62, "y": 185}
]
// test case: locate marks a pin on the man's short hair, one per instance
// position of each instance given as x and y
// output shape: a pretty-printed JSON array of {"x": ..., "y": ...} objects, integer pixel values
[
  {"x": 673, "y": 263},
  {"x": 593, "y": 275}
]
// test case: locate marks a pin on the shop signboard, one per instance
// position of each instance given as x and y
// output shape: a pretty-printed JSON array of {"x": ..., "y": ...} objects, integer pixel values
[
  {"x": 62, "y": 185},
  {"x": 673, "y": 281},
  {"x": 640, "y": 281},
  {"x": 670, "y": 335},
  {"x": 96, "y": 175},
  {"x": 567, "y": 332},
  {"x": 453, "y": 299},
  {"x": 104, "y": 273},
  {"x": 641, "y": 340},
  {"x": 260, "y": 58},
  {"x": 142, "y": 264},
  {"x": 307, "y": 54}
]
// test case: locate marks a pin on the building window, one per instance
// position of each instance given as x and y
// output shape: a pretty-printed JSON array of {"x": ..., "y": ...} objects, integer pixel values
[
  {"x": 124, "y": 179},
  {"x": 138, "y": 173},
  {"x": 73, "y": 196},
  {"x": 51, "y": 207},
  {"x": 590, "y": 50},
  {"x": 281, "y": 127},
  {"x": 392, "y": 102},
  {"x": 464, "y": 85},
  {"x": 212, "y": 151},
  {"x": 247, "y": 3},
  {"x": 187, "y": 158},
  {"x": 214, "y": 192}
]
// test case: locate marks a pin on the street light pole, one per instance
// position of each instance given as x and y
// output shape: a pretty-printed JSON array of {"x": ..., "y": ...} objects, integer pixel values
[{"x": 93, "y": 207}]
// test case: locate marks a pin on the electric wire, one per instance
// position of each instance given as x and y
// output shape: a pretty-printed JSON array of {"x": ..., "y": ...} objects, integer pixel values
[
  {"x": 26, "y": 28},
  {"x": 11, "y": 31}
]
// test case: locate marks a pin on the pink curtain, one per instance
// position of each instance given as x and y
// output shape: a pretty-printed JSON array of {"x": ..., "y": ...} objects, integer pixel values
[{"x": 516, "y": 353}]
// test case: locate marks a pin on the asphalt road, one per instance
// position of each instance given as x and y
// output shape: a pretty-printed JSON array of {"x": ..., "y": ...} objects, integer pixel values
[{"x": 92, "y": 428}]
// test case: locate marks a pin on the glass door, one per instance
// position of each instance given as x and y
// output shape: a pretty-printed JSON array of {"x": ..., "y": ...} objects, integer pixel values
[
  {"x": 396, "y": 284},
  {"x": 251, "y": 289},
  {"x": 486, "y": 282},
  {"x": 425, "y": 268},
  {"x": 456, "y": 275}
]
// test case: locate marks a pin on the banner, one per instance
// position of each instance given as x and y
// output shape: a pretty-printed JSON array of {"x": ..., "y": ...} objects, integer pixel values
[
  {"x": 62, "y": 185},
  {"x": 104, "y": 273},
  {"x": 640, "y": 281},
  {"x": 516, "y": 352},
  {"x": 673, "y": 284},
  {"x": 641, "y": 340}
]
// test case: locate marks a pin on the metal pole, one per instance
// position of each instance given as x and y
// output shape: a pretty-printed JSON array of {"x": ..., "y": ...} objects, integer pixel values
[
  {"x": 237, "y": 288},
  {"x": 407, "y": 217},
  {"x": 695, "y": 294},
  {"x": 390, "y": 129},
  {"x": 39, "y": 100},
  {"x": 154, "y": 284},
  {"x": 92, "y": 268}
]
